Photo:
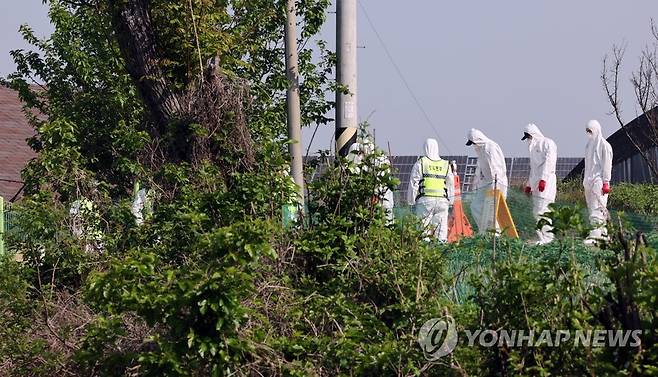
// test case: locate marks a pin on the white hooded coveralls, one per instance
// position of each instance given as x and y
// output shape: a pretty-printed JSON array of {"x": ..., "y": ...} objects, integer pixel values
[
  {"x": 432, "y": 211},
  {"x": 355, "y": 157},
  {"x": 384, "y": 194},
  {"x": 543, "y": 161},
  {"x": 491, "y": 166},
  {"x": 356, "y": 154},
  {"x": 598, "y": 170}
]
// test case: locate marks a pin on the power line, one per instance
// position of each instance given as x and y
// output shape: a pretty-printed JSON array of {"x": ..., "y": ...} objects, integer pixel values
[{"x": 404, "y": 80}]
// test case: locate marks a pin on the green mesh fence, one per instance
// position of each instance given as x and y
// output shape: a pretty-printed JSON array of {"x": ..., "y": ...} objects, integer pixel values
[
  {"x": 520, "y": 206},
  {"x": 471, "y": 257}
]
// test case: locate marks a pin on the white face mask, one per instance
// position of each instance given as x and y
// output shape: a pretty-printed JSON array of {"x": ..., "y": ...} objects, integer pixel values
[{"x": 590, "y": 135}]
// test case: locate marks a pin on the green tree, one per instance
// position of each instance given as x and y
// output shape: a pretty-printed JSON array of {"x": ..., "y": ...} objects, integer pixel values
[{"x": 100, "y": 126}]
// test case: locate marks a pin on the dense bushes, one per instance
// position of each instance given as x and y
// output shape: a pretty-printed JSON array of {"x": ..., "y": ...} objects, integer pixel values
[
  {"x": 192, "y": 292},
  {"x": 639, "y": 199},
  {"x": 636, "y": 198},
  {"x": 210, "y": 284}
]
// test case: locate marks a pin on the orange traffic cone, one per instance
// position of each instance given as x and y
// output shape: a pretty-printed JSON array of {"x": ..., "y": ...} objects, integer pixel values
[{"x": 458, "y": 225}]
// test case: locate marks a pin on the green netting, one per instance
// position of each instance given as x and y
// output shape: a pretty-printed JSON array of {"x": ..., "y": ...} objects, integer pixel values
[
  {"x": 643, "y": 223},
  {"x": 520, "y": 206},
  {"x": 471, "y": 257}
]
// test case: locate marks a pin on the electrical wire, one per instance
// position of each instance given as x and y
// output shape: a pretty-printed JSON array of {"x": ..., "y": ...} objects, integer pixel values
[{"x": 401, "y": 75}]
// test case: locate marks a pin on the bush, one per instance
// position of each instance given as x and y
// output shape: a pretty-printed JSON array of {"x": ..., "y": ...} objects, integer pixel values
[
  {"x": 635, "y": 198},
  {"x": 641, "y": 199},
  {"x": 211, "y": 285},
  {"x": 571, "y": 192}
]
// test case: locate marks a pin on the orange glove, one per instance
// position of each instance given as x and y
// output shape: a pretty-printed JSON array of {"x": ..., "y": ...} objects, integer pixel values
[
  {"x": 606, "y": 188},
  {"x": 542, "y": 185}
]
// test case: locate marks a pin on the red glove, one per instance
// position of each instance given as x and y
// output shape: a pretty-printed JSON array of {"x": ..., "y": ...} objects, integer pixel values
[
  {"x": 542, "y": 185},
  {"x": 606, "y": 188},
  {"x": 528, "y": 190}
]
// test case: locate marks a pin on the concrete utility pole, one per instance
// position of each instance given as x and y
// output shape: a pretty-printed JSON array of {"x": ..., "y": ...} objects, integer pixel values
[
  {"x": 346, "y": 104},
  {"x": 294, "y": 106}
]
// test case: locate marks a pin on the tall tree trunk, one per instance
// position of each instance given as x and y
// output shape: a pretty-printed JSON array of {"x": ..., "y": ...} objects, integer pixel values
[
  {"x": 215, "y": 103},
  {"x": 136, "y": 38}
]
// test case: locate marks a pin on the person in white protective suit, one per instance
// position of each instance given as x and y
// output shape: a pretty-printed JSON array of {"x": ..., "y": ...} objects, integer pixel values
[
  {"x": 383, "y": 164},
  {"x": 356, "y": 155},
  {"x": 542, "y": 184},
  {"x": 432, "y": 189},
  {"x": 137, "y": 209},
  {"x": 491, "y": 173},
  {"x": 598, "y": 172}
]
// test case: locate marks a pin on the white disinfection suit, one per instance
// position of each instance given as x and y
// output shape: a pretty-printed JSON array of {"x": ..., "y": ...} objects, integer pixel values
[
  {"x": 357, "y": 153},
  {"x": 432, "y": 210},
  {"x": 138, "y": 206},
  {"x": 543, "y": 181},
  {"x": 355, "y": 157},
  {"x": 384, "y": 194},
  {"x": 491, "y": 166},
  {"x": 598, "y": 171}
]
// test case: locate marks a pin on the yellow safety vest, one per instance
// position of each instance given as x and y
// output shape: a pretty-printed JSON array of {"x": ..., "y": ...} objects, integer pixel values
[{"x": 433, "y": 183}]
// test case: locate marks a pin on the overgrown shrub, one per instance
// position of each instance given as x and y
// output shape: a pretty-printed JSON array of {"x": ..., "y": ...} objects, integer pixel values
[
  {"x": 210, "y": 284},
  {"x": 635, "y": 198},
  {"x": 641, "y": 199}
]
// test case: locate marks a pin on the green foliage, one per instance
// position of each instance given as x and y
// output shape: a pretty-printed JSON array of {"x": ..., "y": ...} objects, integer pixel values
[
  {"x": 82, "y": 104},
  {"x": 571, "y": 193},
  {"x": 627, "y": 303},
  {"x": 16, "y": 304},
  {"x": 197, "y": 255},
  {"x": 210, "y": 284},
  {"x": 343, "y": 195},
  {"x": 566, "y": 222},
  {"x": 46, "y": 243},
  {"x": 523, "y": 294},
  {"x": 197, "y": 304},
  {"x": 356, "y": 305},
  {"x": 641, "y": 199}
]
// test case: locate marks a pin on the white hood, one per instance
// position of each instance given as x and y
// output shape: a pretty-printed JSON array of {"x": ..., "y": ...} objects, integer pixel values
[
  {"x": 354, "y": 156},
  {"x": 533, "y": 131},
  {"x": 432, "y": 149},
  {"x": 477, "y": 137},
  {"x": 356, "y": 147},
  {"x": 595, "y": 141},
  {"x": 595, "y": 127},
  {"x": 491, "y": 161},
  {"x": 543, "y": 162},
  {"x": 598, "y": 156}
]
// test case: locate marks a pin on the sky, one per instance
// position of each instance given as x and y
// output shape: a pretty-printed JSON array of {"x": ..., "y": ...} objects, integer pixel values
[{"x": 492, "y": 65}]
